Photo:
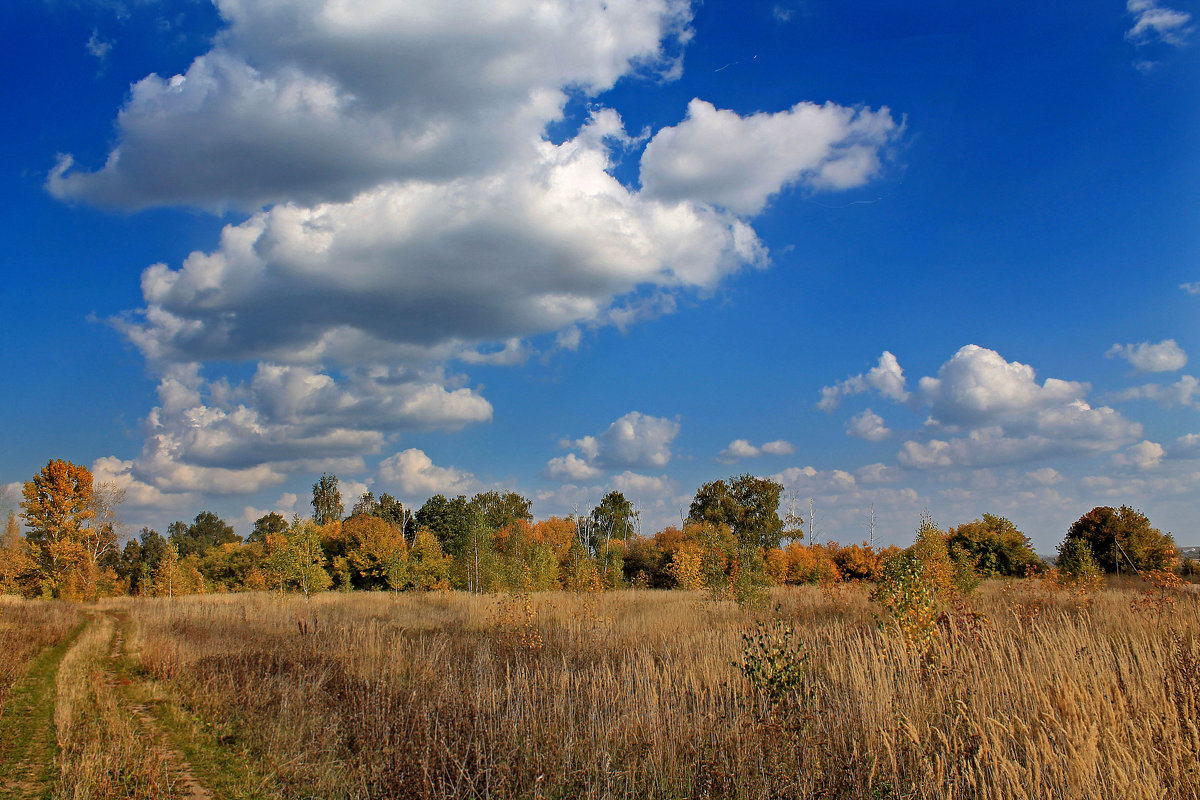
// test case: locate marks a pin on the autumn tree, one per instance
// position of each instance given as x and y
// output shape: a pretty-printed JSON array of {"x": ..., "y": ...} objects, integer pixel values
[
  {"x": 57, "y": 509},
  {"x": 376, "y": 553},
  {"x": 18, "y": 569},
  {"x": 168, "y": 574},
  {"x": 748, "y": 505},
  {"x": 327, "y": 500},
  {"x": 429, "y": 567},
  {"x": 1118, "y": 536}
]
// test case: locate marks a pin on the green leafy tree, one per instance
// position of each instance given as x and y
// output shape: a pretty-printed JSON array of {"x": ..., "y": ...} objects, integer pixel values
[
  {"x": 366, "y": 505},
  {"x": 389, "y": 509},
  {"x": 502, "y": 509},
  {"x": 327, "y": 500},
  {"x": 994, "y": 546},
  {"x": 154, "y": 548},
  {"x": 614, "y": 518},
  {"x": 1109, "y": 531},
  {"x": 448, "y": 520},
  {"x": 308, "y": 558},
  {"x": 267, "y": 525},
  {"x": 748, "y": 505},
  {"x": 129, "y": 565},
  {"x": 1076, "y": 563},
  {"x": 206, "y": 532},
  {"x": 478, "y": 564},
  {"x": 228, "y": 567}
]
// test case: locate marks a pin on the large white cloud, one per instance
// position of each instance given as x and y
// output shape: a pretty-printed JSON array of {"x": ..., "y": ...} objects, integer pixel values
[
  {"x": 1166, "y": 356},
  {"x": 717, "y": 156},
  {"x": 413, "y": 271},
  {"x": 978, "y": 386},
  {"x": 315, "y": 100},
  {"x": 405, "y": 207}
]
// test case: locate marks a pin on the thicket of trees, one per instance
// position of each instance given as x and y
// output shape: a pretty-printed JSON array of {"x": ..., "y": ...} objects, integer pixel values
[{"x": 731, "y": 543}]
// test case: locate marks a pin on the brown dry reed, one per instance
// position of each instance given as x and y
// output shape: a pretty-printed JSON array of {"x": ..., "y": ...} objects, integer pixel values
[{"x": 1025, "y": 693}]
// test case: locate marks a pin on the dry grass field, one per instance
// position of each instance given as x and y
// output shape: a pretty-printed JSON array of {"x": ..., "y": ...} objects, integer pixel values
[{"x": 1024, "y": 693}]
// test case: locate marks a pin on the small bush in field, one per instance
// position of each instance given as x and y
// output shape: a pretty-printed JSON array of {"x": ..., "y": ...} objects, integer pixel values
[
  {"x": 775, "y": 664},
  {"x": 1076, "y": 568},
  {"x": 1161, "y": 592},
  {"x": 909, "y": 599}
]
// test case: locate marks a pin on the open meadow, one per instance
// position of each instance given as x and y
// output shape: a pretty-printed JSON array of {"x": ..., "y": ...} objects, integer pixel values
[{"x": 1019, "y": 692}]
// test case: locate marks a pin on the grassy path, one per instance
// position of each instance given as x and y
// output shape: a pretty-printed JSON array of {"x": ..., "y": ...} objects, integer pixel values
[
  {"x": 85, "y": 721},
  {"x": 28, "y": 747},
  {"x": 201, "y": 765}
]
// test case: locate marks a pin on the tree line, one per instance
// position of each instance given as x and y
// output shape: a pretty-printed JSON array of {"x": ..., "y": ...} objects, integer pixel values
[{"x": 731, "y": 541}]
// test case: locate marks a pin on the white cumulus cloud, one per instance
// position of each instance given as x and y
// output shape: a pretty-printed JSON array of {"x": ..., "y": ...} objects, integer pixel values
[
  {"x": 1184, "y": 392},
  {"x": 1143, "y": 455},
  {"x": 634, "y": 441},
  {"x": 413, "y": 474},
  {"x": 868, "y": 425},
  {"x": 986, "y": 410},
  {"x": 886, "y": 378},
  {"x": 316, "y": 100},
  {"x": 717, "y": 156},
  {"x": 1166, "y": 356},
  {"x": 741, "y": 448}
]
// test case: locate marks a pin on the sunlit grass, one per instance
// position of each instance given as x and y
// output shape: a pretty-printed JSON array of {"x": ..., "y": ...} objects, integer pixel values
[{"x": 635, "y": 694}]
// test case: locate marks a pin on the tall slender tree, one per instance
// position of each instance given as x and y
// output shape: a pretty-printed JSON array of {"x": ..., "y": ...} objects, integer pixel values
[{"x": 327, "y": 500}]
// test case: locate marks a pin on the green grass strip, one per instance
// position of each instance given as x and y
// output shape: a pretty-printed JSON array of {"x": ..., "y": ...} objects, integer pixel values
[{"x": 27, "y": 737}]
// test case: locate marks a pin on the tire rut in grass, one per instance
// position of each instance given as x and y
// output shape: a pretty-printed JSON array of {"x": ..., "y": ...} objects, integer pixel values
[
  {"x": 177, "y": 764},
  {"x": 28, "y": 749}
]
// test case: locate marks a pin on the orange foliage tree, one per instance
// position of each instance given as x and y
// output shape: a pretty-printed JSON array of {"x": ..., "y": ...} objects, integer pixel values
[{"x": 57, "y": 509}]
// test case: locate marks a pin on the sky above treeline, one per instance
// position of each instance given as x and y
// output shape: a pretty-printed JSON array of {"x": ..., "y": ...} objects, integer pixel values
[{"x": 897, "y": 256}]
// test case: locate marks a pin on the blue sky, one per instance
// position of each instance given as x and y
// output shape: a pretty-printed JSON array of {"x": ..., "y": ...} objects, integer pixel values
[{"x": 905, "y": 256}]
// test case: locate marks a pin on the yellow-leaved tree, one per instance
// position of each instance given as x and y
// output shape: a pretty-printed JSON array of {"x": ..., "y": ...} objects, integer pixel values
[
  {"x": 57, "y": 508},
  {"x": 18, "y": 570}
]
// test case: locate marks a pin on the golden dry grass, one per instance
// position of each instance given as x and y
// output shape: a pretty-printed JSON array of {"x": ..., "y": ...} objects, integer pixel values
[{"x": 1026, "y": 694}]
